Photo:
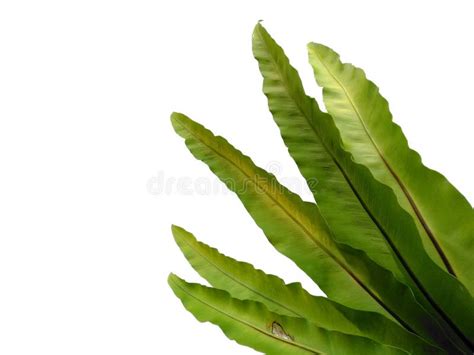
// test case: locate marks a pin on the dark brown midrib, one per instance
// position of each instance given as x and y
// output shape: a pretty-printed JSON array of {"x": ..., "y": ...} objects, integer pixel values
[
  {"x": 422, "y": 220},
  {"x": 420, "y": 217},
  {"x": 414, "y": 278},
  {"x": 407, "y": 194},
  {"x": 386, "y": 236}
]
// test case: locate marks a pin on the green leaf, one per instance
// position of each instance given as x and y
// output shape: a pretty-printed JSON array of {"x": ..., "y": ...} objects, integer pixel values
[
  {"x": 453, "y": 301},
  {"x": 243, "y": 281},
  {"x": 301, "y": 121},
  {"x": 298, "y": 231},
  {"x": 444, "y": 217},
  {"x": 252, "y": 324},
  {"x": 293, "y": 226},
  {"x": 314, "y": 142}
]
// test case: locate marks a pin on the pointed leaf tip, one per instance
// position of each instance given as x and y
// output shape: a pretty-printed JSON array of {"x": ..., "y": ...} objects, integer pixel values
[
  {"x": 176, "y": 282},
  {"x": 180, "y": 233},
  {"x": 176, "y": 229},
  {"x": 172, "y": 279},
  {"x": 259, "y": 29}
]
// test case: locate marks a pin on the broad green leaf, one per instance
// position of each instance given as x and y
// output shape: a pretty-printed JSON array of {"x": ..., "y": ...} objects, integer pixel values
[
  {"x": 243, "y": 281},
  {"x": 314, "y": 142},
  {"x": 444, "y": 217},
  {"x": 452, "y": 301},
  {"x": 250, "y": 323},
  {"x": 298, "y": 231}
]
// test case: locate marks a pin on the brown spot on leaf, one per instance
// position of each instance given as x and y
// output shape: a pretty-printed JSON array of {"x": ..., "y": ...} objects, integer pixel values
[{"x": 278, "y": 330}]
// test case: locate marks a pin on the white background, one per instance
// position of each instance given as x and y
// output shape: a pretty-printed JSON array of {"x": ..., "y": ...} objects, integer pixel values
[{"x": 86, "y": 89}]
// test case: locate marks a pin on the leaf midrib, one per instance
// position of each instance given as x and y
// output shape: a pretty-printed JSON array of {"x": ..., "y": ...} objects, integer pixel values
[
  {"x": 389, "y": 241},
  {"x": 308, "y": 234},
  {"x": 402, "y": 186},
  {"x": 247, "y": 324},
  {"x": 417, "y": 212},
  {"x": 409, "y": 271},
  {"x": 240, "y": 282}
]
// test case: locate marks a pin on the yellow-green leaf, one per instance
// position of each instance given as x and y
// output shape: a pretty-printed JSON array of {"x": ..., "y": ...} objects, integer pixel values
[
  {"x": 250, "y": 323},
  {"x": 444, "y": 217},
  {"x": 297, "y": 230},
  {"x": 243, "y": 281}
]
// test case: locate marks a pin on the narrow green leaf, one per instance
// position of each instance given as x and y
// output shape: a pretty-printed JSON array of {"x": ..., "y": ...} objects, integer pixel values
[
  {"x": 250, "y": 323},
  {"x": 452, "y": 301},
  {"x": 243, "y": 281},
  {"x": 444, "y": 217},
  {"x": 289, "y": 223},
  {"x": 300, "y": 119},
  {"x": 298, "y": 231}
]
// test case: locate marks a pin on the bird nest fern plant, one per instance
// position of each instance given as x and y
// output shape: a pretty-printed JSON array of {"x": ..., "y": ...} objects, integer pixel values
[{"x": 390, "y": 241}]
